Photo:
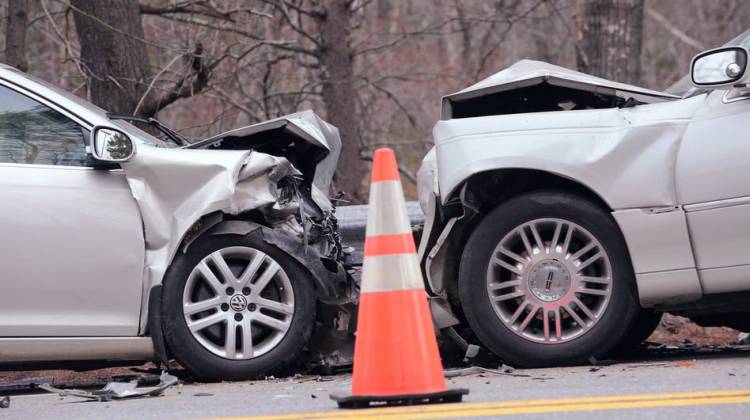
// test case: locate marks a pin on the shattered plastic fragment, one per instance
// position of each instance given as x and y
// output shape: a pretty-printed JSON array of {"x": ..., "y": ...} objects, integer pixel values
[{"x": 117, "y": 390}]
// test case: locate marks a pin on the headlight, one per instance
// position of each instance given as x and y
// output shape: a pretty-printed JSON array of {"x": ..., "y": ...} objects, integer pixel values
[{"x": 427, "y": 183}]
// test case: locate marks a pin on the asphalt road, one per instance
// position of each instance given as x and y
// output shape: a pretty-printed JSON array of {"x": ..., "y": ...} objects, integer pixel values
[{"x": 698, "y": 386}]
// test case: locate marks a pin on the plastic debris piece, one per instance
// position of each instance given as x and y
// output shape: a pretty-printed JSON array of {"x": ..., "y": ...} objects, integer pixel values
[
  {"x": 503, "y": 370},
  {"x": 116, "y": 390},
  {"x": 5, "y": 402}
]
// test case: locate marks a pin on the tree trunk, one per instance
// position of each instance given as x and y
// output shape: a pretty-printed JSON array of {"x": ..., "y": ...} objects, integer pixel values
[
  {"x": 15, "y": 35},
  {"x": 609, "y": 35},
  {"x": 339, "y": 95},
  {"x": 112, "y": 52}
]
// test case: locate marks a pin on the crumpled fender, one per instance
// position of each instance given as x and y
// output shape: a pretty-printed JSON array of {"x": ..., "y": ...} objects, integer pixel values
[
  {"x": 331, "y": 282},
  {"x": 174, "y": 188}
]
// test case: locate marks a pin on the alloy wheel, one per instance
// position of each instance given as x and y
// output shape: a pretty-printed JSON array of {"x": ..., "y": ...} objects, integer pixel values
[
  {"x": 549, "y": 280},
  {"x": 238, "y": 303}
]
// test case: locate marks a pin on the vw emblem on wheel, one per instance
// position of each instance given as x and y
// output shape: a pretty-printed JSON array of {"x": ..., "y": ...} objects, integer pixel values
[{"x": 238, "y": 303}]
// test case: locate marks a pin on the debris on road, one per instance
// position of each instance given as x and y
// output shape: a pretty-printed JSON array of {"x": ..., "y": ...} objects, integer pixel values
[
  {"x": 5, "y": 402},
  {"x": 684, "y": 363},
  {"x": 117, "y": 390},
  {"x": 24, "y": 384},
  {"x": 640, "y": 365},
  {"x": 503, "y": 370}
]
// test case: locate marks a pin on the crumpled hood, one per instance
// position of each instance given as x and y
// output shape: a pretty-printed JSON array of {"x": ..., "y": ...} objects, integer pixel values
[
  {"x": 306, "y": 125},
  {"x": 527, "y": 73}
]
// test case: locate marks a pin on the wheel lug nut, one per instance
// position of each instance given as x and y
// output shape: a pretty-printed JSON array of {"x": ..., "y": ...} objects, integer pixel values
[
  {"x": 251, "y": 307},
  {"x": 238, "y": 317},
  {"x": 230, "y": 291},
  {"x": 246, "y": 291},
  {"x": 224, "y": 307}
]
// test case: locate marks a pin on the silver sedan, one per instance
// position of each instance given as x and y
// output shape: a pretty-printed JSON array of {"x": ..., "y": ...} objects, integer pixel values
[
  {"x": 566, "y": 212},
  {"x": 119, "y": 245}
]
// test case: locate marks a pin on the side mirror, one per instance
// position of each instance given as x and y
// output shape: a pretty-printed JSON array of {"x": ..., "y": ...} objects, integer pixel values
[
  {"x": 111, "y": 145},
  {"x": 722, "y": 67}
]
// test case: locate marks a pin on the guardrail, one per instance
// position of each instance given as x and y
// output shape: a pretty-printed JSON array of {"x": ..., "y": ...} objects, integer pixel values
[{"x": 353, "y": 220}]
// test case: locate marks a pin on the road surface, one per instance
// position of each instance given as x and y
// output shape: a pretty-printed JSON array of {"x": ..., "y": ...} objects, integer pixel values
[{"x": 693, "y": 386}]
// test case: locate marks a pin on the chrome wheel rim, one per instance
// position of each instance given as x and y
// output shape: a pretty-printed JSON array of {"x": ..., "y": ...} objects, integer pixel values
[
  {"x": 549, "y": 280},
  {"x": 238, "y": 303}
]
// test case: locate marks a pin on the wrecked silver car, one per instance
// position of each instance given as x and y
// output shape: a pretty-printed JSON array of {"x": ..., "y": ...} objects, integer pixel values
[
  {"x": 566, "y": 212},
  {"x": 117, "y": 245}
]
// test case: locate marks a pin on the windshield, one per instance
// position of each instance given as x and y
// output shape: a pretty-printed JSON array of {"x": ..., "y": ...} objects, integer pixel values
[
  {"x": 684, "y": 87},
  {"x": 742, "y": 40},
  {"x": 138, "y": 134}
]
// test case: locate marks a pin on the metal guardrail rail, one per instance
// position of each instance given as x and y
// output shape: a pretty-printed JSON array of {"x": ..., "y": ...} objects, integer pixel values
[{"x": 353, "y": 220}]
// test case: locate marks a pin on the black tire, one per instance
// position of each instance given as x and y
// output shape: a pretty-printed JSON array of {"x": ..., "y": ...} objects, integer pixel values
[
  {"x": 617, "y": 318},
  {"x": 646, "y": 322},
  {"x": 207, "y": 366}
]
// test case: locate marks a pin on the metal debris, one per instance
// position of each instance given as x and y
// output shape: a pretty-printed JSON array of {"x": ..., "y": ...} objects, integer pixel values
[
  {"x": 117, "y": 390},
  {"x": 503, "y": 370},
  {"x": 24, "y": 384},
  {"x": 5, "y": 402}
]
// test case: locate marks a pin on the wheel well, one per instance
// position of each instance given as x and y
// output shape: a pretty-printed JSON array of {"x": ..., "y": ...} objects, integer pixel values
[{"x": 492, "y": 188}]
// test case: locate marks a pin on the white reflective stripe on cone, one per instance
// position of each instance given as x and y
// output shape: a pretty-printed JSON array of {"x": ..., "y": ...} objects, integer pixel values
[
  {"x": 382, "y": 273},
  {"x": 386, "y": 213}
]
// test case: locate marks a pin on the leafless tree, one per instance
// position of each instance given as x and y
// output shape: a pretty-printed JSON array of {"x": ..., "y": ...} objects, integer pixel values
[
  {"x": 374, "y": 68},
  {"x": 116, "y": 61},
  {"x": 15, "y": 34},
  {"x": 609, "y": 35}
]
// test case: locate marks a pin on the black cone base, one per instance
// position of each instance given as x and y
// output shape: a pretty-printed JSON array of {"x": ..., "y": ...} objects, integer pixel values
[{"x": 365, "y": 401}]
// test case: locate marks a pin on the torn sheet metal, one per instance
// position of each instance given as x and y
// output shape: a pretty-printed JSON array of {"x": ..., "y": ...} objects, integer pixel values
[
  {"x": 305, "y": 126},
  {"x": 332, "y": 282},
  {"x": 117, "y": 390}
]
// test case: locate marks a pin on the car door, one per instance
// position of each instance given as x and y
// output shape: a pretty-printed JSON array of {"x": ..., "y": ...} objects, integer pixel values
[
  {"x": 713, "y": 184},
  {"x": 71, "y": 241}
]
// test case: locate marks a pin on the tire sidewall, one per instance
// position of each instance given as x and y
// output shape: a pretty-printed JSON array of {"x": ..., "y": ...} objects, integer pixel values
[
  {"x": 478, "y": 309},
  {"x": 201, "y": 362}
]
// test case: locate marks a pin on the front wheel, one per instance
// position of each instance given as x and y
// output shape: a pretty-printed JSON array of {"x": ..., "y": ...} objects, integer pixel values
[
  {"x": 545, "y": 279},
  {"x": 236, "y": 308}
]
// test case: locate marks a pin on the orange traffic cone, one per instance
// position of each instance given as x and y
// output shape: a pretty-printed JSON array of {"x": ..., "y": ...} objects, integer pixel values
[{"x": 396, "y": 359}]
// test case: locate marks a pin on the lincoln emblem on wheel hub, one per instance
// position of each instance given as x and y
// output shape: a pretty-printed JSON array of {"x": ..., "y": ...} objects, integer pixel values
[
  {"x": 549, "y": 280},
  {"x": 238, "y": 303}
]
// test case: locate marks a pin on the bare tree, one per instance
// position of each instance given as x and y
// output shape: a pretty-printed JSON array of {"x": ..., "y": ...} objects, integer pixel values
[
  {"x": 116, "y": 61},
  {"x": 339, "y": 94},
  {"x": 112, "y": 52},
  {"x": 15, "y": 34},
  {"x": 609, "y": 35}
]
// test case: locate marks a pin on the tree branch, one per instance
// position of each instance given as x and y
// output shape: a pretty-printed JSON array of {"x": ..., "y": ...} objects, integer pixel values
[{"x": 192, "y": 83}]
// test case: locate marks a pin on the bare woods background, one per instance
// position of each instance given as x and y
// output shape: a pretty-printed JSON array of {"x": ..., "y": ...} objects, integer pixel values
[{"x": 374, "y": 68}]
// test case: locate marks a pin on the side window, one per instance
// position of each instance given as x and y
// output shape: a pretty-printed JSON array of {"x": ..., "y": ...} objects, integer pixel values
[{"x": 31, "y": 132}]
